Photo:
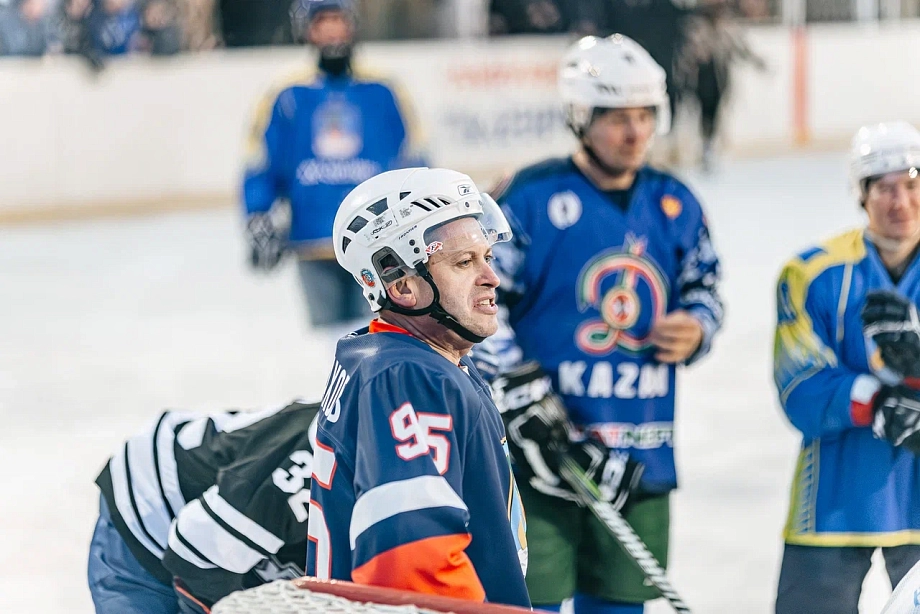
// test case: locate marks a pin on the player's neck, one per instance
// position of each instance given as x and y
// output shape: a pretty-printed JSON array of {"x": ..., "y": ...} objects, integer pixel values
[
  {"x": 603, "y": 179},
  {"x": 894, "y": 253},
  {"x": 442, "y": 340}
]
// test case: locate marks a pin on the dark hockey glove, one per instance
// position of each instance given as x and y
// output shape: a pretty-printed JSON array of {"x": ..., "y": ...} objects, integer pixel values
[
  {"x": 535, "y": 423},
  {"x": 891, "y": 321},
  {"x": 615, "y": 473},
  {"x": 897, "y": 417},
  {"x": 266, "y": 242}
]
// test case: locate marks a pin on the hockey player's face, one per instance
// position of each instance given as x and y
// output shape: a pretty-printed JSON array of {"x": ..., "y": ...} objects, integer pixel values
[
  {"x": 461, "y": 268},
  {"x": 621, "y": 137},
  {"x": 893, "y": 205},
  {"x": 330, "y": 28}
]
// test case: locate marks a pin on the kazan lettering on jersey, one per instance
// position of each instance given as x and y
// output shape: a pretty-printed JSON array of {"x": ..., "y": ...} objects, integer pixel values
[{"x": 649, "y": 381}]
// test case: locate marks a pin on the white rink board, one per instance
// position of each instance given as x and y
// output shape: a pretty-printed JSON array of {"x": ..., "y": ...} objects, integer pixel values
[
  {"x": 170, "y": 130},
  {"x": 106, "y": 323}
]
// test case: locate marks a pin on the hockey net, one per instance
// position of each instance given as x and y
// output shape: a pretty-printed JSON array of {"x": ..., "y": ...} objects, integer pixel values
[{"x": 313, "y": 596}]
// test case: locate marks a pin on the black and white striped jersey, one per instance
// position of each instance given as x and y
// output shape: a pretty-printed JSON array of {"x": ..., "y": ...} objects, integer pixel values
[{"x": 218, "y": 500}]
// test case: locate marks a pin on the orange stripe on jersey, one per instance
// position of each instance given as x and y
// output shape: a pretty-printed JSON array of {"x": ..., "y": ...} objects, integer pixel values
[
  {"x": 379, "y": 326},
  {"x": 435, "y": 565}
]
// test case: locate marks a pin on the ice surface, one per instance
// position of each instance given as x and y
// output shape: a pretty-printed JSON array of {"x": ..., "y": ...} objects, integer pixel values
[{"x": 104, "y": 323}]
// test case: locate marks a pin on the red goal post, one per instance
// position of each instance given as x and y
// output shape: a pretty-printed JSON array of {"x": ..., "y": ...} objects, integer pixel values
[{"x": 314, "y": 596}]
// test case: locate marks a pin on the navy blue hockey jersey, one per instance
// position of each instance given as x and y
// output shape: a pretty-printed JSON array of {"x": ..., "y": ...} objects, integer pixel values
[
  {"x": 412, "y": 484},
  {"x": 583, "y": 282}
]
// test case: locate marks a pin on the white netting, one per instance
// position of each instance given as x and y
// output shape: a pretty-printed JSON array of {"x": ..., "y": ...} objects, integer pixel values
[
  {"x": 313, "y": 596},
  {"x": 284, "y": 597}
]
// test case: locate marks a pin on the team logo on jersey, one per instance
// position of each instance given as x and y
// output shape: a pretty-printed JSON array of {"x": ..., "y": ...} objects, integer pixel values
[
  {"x": 671, "y": 206},
  {"x": 337, "y": 130},
  {"x": 564, "y": 209},
  {"x": 629, "y": 291},
  {"x": 368, "y": 278}
]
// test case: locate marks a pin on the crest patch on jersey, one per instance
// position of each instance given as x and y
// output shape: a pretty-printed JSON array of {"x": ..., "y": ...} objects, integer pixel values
[
  {"x": 564, "y": 209},
  {"x": 671, "y": 206},
  {"x": 368, "y": 278},
  {"x": 626, "y": 292}
]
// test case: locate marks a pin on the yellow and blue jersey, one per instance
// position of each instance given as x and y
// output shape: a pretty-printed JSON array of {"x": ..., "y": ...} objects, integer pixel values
[
  {"x": 315, "y": 138},
  {"x": 849, "y": 488}
]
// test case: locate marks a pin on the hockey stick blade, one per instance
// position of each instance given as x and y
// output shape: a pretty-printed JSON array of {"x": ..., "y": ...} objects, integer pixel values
[{"x": 622, "y": 531}]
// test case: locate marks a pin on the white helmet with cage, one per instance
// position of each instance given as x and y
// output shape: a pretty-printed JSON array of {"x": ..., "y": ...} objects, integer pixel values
[
  {"x": 383, "y": 229},
  {"x": 880, "y": 149},
  {"x": 611, "y": 73}
]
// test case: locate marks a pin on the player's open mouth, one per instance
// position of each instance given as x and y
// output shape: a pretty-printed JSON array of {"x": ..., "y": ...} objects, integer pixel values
[{"x": 486, "y": 305}]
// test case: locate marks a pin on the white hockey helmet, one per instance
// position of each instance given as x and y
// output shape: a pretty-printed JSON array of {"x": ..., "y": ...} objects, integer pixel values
[
  {"x": 380, "y": 228},
  {"x": 880, "y": 149},
  {"x": 611, "y": 73}
]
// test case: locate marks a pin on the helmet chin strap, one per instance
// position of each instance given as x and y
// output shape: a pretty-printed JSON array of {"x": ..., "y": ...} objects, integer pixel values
[{"x": 435, "y": 310}]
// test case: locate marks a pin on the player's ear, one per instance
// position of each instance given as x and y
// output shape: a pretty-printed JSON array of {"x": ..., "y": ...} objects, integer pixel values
[{"x": 404, "y": 292}]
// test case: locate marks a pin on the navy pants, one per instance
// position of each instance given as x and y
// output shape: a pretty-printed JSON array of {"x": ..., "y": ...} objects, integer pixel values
[
  {"x": 819, "y": 580},
  {"x": 117, "y": 582},
  {"x": 332, "y": 294}
]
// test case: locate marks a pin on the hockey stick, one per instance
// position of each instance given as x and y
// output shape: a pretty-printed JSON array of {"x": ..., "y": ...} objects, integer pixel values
[{"x": 622, "y": 531}]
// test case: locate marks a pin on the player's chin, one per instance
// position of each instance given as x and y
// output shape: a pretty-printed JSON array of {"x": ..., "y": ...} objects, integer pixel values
[{"x": 484, "y": 325}]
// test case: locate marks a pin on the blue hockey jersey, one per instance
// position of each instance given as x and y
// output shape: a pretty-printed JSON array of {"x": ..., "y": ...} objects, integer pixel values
[
  {"x": 583, "y": 283},
  {"x": 412, "y": 481},
  {"x": 849, "y": 489},
  {"x": 316, "y": 139}
]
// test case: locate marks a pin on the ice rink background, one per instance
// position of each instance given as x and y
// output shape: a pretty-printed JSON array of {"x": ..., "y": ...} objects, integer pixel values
[{"x": 105, "y": 323}]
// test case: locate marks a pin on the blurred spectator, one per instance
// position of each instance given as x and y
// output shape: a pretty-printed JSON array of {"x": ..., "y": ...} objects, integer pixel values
[
  {"x": 528, "y": 16},
  {"x": 160, "y": 31},
  {"x": 27, "y": 28},
  {"x": 249, "y": 23},
  {"x": 115, "y": 27},
  {"x": 198, "y": 28},
  {"x": 73, "y": 25},
  {"x": 703, "y": 68}
]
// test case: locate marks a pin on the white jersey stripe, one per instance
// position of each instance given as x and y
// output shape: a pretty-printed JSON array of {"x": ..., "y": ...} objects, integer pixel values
[
  {"x": 240, "y": 523},
  {"x": 388, "y": 500},
  {"x": 208, "y": 537},
  {"x": 176, "y": 545},
  {"x": 166, "y": 459},
  {"x": 148, "y": 500},
  {"x": 123, "y": 503}
]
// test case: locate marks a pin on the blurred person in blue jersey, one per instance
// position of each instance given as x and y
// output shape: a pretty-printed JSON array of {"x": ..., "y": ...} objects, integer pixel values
[
  {"x": 115, "y": 27},
  {"x": 847, "y": 370},
  {"x": 609, "y": 284},
  {"x": 314, "y": 140},
  {"x": 412, "y": 484},
  {"x": 28, "y": 29}
]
